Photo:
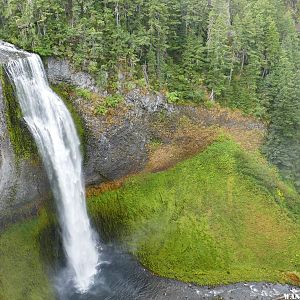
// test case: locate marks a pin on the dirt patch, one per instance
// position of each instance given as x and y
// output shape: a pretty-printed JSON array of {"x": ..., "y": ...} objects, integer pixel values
[
  {"x": 195, "y": 129},
  {"x": 182, "y": 134},
  {"x": 184, "y": 143},
  {"x": 104, "y": 187}
]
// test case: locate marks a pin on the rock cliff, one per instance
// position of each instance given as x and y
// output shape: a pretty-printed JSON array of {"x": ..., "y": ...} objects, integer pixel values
[
  {"x": 116, "y": 144},
  {"x": 23, "y": 183}
]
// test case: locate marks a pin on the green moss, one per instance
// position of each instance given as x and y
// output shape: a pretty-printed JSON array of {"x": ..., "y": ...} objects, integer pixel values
[
  {"x": 65, "y": 92},
  {"x": 83, "y": 93},
  {"x": 223, "y": 216},
  {"x": 110, "y": 102},
  {"x": 19, "y": 134},
  {"x": 22, "y": 275},
  {"x": 49, "y": 238}
]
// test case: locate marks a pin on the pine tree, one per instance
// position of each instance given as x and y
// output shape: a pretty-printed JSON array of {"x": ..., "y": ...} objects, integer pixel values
[
  {"x": 247, "y": 70},
  {"x": 158, "y": 15},
  {"x": 219, "y": 51},
  {"x": 283, "y": 139}
]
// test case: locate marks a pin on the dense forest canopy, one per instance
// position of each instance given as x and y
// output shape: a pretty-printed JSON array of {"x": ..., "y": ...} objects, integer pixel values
[{"x": 240, "y": 53}]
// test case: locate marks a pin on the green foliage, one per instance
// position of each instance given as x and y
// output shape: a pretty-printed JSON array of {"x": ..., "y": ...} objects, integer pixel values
[
  {"x": 109, "y": 102},
  {"x": 219, "y": 51},
  {"x": 184, "y": 47},
  {"x": 86, "y": 94},
  {"x": 101, "y": 110},
  {"x": 22, "y": 273},
  {"x": 283, "y": 140},
  {"x": 187, "y": 86},
  {"x": 172, "y": 97},
  {"x": 65, "y": 92},
  {"x": 113, "y": 101},
  {"x": 48, "y": 238},
  {"x": 189, "y": 48},
  {"x": 244, "y": 56},
  {"x": 222, "y": 216},
  {"x": 241, "y": 53}
]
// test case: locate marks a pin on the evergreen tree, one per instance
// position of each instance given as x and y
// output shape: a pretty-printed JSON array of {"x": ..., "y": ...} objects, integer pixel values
[
  {"x": 158, "y": 30},
  {"x": 247, "y": 65},
  {"x": 246, "y": 53},
  {"x": 283, "y": 140},
  {"x": 219, "y": 50}
]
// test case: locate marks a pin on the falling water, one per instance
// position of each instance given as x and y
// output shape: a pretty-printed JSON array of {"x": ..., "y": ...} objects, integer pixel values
[{"x": 53, "y": 129}]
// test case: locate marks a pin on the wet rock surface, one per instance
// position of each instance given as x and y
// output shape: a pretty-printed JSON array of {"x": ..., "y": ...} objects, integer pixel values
[
  {"x": 119, "y": 151},
  {"x": 23, "y": 182}
]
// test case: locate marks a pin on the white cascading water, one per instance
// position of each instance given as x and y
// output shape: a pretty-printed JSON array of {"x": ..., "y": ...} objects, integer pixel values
[{"x": 54, "y": 132}]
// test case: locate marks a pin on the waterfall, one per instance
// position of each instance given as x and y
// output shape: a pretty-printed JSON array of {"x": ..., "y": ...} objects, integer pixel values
[{"x": 54, "y": 132}]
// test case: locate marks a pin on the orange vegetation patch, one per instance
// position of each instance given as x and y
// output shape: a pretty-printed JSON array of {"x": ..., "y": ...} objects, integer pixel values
[
  {"x": 293, "y": 278},
  {"x": 192, "y": 139},
  {"x": 104, "y": 187},
  {"x": 250, "y": 140},
  {"x": 186, "y": 143},
  {"x": 189, "y": 133}
]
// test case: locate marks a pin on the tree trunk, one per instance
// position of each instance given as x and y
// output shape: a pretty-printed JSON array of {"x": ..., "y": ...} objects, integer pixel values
[
  {"x": 146, "y": 77},
  {"x": 117, "y": 12},
  {"x": 212, "y": 96},
  {"x": 69, "y": 11}
]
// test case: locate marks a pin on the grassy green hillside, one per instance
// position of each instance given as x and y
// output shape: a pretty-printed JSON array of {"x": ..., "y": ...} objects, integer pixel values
[
  {"x": 222, "y": 216},
  {"x": 22, "y": 273}
]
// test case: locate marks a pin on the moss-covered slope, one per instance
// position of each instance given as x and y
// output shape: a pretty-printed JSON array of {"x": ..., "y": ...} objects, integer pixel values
[
  {"x": 22, "y": 272},
  {"x": 222, "y": 216}
]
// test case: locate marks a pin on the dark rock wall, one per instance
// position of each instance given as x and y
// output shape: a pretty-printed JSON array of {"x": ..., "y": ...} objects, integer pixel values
[
  {"x": 116, "y": 149},
  {"x": 119, "y": 151},
  {"x": 60, "y": 71},
  {"x": 23, "y": 182},
  {"x": 112, "y": 150}
]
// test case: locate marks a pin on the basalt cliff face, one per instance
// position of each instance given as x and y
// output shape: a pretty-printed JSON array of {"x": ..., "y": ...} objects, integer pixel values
[
  {"x": 120, "y": 141},
  {"x": 116, "y": 144},
  {"x": 112, "y": 149},
  {"x": 23, "y": 182}
]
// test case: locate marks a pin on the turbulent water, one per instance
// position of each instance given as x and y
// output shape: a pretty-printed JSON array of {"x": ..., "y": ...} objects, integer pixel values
[{"x": 54, "y": 132}]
